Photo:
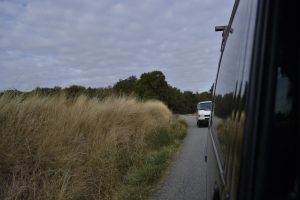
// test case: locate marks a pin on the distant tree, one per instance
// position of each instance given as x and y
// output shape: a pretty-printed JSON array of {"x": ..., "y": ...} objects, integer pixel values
[
  {"x": 74, "y": 91},
  {"x": 44, "y": 91},
  {"x": 175, "y": 100},
  {"x": 224, "y": 105},
  {"x": 57, "y": 88},
  {"x": 204, "y": 96},
  {"x": 126, "y": 86},
  {"x": 190, "y": 100},
  {"x": 152, "y": 85},
  {"x": 11, "y": 93}
]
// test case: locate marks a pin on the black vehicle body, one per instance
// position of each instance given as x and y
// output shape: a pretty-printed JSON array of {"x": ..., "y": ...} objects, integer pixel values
[{"x": 253, "y": 140}]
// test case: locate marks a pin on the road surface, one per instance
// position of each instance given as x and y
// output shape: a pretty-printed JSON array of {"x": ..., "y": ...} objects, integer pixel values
[{"x": 186, "y": 177}]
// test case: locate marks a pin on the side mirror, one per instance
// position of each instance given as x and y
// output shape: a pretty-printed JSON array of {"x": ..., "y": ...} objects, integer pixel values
[{"x": 222, "y": 28}]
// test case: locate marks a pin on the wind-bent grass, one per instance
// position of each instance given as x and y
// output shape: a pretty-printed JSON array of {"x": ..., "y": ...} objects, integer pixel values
[{"x": 53, "y": 148}]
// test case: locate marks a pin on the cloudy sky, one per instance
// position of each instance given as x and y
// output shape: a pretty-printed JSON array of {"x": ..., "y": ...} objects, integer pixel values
[{"x": 95, "y": 43}]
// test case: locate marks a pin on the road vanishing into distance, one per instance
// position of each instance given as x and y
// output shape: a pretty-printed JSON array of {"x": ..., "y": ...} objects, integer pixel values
[{"x": 186, "y": 177}]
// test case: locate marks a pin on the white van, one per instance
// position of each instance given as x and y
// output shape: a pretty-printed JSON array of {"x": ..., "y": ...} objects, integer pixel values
[{"x": 203, "y": 113}]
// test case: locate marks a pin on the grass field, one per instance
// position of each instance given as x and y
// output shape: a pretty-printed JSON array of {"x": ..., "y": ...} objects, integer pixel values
[{"x": 54, "y": 148}]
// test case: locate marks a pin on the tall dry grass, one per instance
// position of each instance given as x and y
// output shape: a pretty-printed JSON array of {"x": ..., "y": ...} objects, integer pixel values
[{"x": 51, "y": 148}]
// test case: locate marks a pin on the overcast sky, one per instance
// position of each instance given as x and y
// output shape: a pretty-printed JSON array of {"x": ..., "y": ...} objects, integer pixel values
[{"x": 95, "y": 43}]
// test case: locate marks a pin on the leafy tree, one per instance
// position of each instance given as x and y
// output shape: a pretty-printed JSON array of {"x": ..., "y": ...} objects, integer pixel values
[
  {"x": 204, "y": 96},
  {"x": 175, "y": 100},
  {"x": 152, "y": 85},
  {"x": 44, "y": 91},
  {"x": 74, "y": 91},
  {"x": 11, "y": 93},
  {"x": 190, "y": 101},
  {"x": 126, "y": 86},
  {"x": 224, "y": 105}
]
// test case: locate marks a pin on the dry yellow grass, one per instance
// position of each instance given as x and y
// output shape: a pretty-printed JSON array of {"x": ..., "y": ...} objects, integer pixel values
[{"x": 51, "y": 148}]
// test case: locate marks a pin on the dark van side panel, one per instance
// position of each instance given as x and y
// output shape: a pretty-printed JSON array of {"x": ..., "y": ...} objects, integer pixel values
[
  {"x": 254, "y": 137},
  {"x": 231, "y": 90}
]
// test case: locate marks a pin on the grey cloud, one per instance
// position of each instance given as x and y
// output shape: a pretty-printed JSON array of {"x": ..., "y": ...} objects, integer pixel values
[{"x": 95, "y": 43}]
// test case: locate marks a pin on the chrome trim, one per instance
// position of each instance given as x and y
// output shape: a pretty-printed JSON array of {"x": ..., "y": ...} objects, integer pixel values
[{"x": 221, "y": 171}]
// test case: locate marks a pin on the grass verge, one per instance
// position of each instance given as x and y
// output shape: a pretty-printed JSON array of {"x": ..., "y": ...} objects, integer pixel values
[{"x": 142, "y": 178}]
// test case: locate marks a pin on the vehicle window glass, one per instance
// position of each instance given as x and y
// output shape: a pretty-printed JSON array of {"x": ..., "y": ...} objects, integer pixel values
[
  {"x": 285, "y": 134},
  {"x": 231, "y": 92},
  {"x": 204, "y": 106}
]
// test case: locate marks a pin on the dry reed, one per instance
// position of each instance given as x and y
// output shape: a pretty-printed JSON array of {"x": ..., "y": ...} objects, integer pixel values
[{"x": 51, "y": 148}]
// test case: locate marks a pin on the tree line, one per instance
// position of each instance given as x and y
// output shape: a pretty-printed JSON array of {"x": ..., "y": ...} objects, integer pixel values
[{"x": 151, "y": 85}]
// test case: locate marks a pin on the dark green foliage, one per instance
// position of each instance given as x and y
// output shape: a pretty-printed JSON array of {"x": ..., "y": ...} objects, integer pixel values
[
  {"x": 151, "y": 85},
  {"x": 158, "y": 139},
  {"x": 74, "y": 91},
  {"x": 175, "y": 100},
  {"x": 46, "y": 91},
  {"x": 190, "y": 100},
  {"x": 11, "y": 93},
  {"x": 224, "y": 104},
  {"x": 126, "y": 86}
]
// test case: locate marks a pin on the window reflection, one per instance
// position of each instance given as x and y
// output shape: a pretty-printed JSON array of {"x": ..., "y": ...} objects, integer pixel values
[{"x": 283, "y": 105}]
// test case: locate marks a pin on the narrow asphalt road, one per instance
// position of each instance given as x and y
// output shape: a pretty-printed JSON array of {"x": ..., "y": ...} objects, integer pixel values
[{"x": 186, "y": 177}]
